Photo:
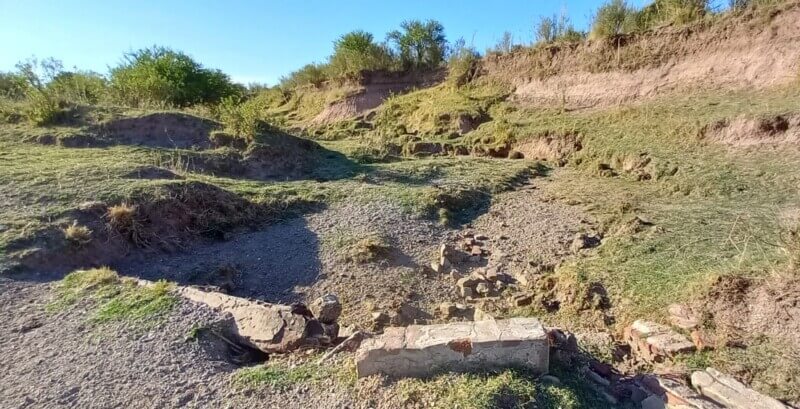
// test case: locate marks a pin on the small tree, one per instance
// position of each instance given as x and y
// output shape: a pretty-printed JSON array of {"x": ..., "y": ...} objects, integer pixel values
[
  {"x": 462, "y": 63},
  {"x": 162, "y": 76},
  {"x": 309, "y": 74},
  {"x": 419, "y": 44},
  {"x": 355, "y": 52},
  {"x": 611, "y": 18},
  {"x": 505, "y": 44},
  {"x": 556, "y": 28}
]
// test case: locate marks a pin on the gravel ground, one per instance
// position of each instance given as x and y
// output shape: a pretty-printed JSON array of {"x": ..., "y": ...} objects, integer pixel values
[
  {"x": 56, "y": 360},
  {"x": 60, "y": 360}
]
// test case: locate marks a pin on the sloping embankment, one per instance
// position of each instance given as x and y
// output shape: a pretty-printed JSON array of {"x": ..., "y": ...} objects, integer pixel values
[{"x": 754, "y": 50}]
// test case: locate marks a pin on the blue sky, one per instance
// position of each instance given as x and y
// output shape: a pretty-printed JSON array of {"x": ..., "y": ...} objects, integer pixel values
[{"x": 250, "y": 40}]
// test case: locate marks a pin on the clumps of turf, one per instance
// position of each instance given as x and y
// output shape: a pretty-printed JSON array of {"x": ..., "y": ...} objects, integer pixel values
[
  {"x": 77, "y": 235},
  {"x": 113, "y": 298},
  {"x": 280, "y": 374},
  {"x": 123, "y": 219},
  {"x": 507, "y": 389}
]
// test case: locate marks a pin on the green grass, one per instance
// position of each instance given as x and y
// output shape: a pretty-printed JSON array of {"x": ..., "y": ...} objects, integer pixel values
[
  {"x": 507, "y": 389},
  {"x": 113, "y": 298},
  {"x": 281, "y": 374}
]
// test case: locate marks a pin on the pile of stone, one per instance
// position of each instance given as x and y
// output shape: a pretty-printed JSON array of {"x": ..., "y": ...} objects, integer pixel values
[
  {"x": 654, "y": 342},
  {"x": 484, "y": 282}
]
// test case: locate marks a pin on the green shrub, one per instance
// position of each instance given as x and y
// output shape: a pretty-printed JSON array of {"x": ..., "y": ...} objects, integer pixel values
[
  {"x": 160, "y": 76},
  {"x": 84, "y": 87},
  {"x": 420, "y": 44},
  {"x": 666, "y": 12},
  {"x": 462, "y": 64},
  {"x": 611, "y": 19},
  {"x": 556, "y": 28},
  {"x": 241, "y": 118},
  {"x": 310, "y": 74},
  {"x": 12, "y": 86},
  {"x": 355, "y": 52}
]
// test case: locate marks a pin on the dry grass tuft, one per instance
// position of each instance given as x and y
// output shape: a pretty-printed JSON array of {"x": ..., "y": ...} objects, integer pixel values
[
  {"x": 78, "y": 234},
  {"x": 123, "y": 219}
]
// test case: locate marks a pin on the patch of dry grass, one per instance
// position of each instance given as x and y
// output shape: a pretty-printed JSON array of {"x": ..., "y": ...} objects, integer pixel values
[{"x": 77, "y": 234}]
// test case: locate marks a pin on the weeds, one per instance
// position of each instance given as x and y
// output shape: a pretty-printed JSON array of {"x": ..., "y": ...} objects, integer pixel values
[
  {"x": 77, "y": 234},
  {"x": 113, "y": 298}
]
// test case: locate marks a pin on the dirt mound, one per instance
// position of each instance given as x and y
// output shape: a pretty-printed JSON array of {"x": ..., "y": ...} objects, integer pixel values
[
  {"x": 742, "y": 309},
  {"x": 163, "y": 129},
  {"x": 551, "y": 146},
  {"x": 375, "y": 88},
  {"x": 163, "y": 220},
  {"x": 757, "y": 50},
  {"x": 746, "y": 132}
]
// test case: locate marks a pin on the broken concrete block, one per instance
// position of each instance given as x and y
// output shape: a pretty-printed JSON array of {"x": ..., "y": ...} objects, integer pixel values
[
  {"x": 272, "y": 328},
  {"x": 424, "y": 350},
  {"x": 654, "y": 342},
  {"x": 731, "y": 393}
]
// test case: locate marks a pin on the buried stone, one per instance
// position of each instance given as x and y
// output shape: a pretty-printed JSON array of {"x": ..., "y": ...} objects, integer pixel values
[{"x": 424, "y": 350}]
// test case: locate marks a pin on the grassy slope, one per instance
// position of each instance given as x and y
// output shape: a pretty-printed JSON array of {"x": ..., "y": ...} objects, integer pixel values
[{"x": 42, "y": 183}]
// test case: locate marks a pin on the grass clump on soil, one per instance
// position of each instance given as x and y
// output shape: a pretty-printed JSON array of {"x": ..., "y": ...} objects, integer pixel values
[
  {"x": 113, "y": 298},
  {"x": 281, "y": 374},
  {"x": 356, "y": 248},
  {"x": 77, "y": 234},
  {"x": 506, "y": 389}
]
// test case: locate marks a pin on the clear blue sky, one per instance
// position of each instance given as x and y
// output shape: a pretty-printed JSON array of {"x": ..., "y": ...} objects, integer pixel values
[{"x": 250, "y": 40}]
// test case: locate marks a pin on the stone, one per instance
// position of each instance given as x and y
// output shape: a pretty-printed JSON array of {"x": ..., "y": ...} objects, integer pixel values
[
  {"x": 731, "y": 393},
  {"x": 483, "y": 288},
  {"x": 682, "y": 317},
  {"x": 380, "y": 320},
  {"x": 522, "y": 300},
  {"x": 271, "y": 328},
  {"x": 327, "y": 308},
  {"x": 654, "y": 342},
  {"x": 584, "y": 241},
  {"x": 672, "y": 390},
  {"x": 425, "y": 350},
  {"x": 549, "y": 380},
  {"x": 481, "y": 315},
  {"x": 653, "y": 402},
  {"x": 476, "y": 251},
  {"x": 481, "y": 237}
]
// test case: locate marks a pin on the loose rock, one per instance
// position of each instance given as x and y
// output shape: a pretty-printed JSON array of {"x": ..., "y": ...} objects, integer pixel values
[{"x": 327, "y": 308}]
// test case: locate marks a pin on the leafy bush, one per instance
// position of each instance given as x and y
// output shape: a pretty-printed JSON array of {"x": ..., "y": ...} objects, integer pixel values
[
  {"x": 462, "y": 64},
  {"x": 241, "y": 118},
  {"x": 556, "y": 28},
  {"x": 611, "y": 19},
  {"x": 355, "y": 52},
  {"x": 419, "y": 44},
  {"x": 504, "y": 45},
  {"x": 310, "y": 74},
  {"x": 43, "y": 105},
  {"x": 12, "y": 85},
  {"x": 161, "y": 76},
  {"x": 83, "y": 87},
  {"x": 664, "y": 12}
]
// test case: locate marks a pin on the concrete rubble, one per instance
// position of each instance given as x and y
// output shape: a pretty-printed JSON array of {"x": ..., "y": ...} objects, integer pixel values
[
  {"x": 424, "y": 350},
  {"x": 271, "y": 328},
  {"x": 730, "y": 392},
  {"x": 654, "y": 342}
]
